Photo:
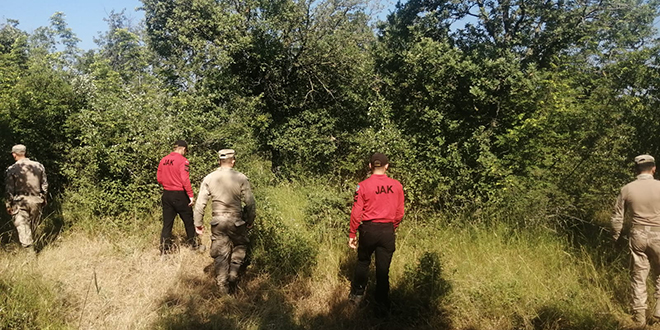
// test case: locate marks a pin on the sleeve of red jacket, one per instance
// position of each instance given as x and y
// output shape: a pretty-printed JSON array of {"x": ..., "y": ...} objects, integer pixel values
[
  {"x": 159, "y": 174},
  {"x": 400, "y": 208},
  {"x": 185, "y": 178},
  {"x": 356, "y": 213}
]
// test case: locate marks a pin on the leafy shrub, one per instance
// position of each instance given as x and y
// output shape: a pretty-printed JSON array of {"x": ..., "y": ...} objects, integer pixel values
[
  {"x": 327, "y": 209},
  {"x": 279, "y": 248}
]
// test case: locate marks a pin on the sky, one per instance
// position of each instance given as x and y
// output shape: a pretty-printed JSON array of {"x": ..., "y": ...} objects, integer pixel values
[{"x": 84, "y": 17}]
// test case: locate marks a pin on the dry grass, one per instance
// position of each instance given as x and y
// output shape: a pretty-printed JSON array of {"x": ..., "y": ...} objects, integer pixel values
[{"x": 113, "y": 282}]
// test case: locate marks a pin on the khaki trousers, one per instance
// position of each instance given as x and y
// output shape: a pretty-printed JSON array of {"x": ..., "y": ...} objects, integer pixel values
[
  {"x": 229, "y": 242},
  {"x": 26, "y": 213},
  {"x": 645, "y": 249}
]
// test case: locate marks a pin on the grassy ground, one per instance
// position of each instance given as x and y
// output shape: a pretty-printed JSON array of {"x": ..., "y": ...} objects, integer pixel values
[{"x": 443, "y": 277}]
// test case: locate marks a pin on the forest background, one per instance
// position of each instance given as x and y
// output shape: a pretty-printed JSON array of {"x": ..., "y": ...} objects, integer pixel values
[{"x": 511, "y": 125}]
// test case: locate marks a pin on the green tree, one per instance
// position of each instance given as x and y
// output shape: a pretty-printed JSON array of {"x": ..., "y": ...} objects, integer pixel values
[
  {"x": 36, "y": 97},
  {"x": 499, "y": 95},
  {"x": 305, "y": 65}
]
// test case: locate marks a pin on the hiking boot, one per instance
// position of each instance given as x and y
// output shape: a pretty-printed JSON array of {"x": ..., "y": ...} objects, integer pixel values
[
  {"x": 223, "y": 287},
  {"x": 639, "y": 317},
  {"x": 656, "y": 313},
  {"x": 198, "y": 248},
  {"x": 223, "y": 290},
  {"x": 232, "y": 287}
]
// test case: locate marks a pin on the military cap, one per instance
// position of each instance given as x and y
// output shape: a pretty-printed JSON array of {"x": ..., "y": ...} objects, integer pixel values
[
  {"x": 181, "y": 143},
  {"x": 18, "y": 149},
  {"x": 378, "y": 160},
  {"x": 226, "y": 153},
  {"x": 643, "y": 159}
]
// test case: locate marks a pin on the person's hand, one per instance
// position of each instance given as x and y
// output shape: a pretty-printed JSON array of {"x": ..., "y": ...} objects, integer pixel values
[
  {"x": 9, "y": 211},
  {"x": 192, "y": 201},
  {"x": 353, "y": 243},
  {"x": 199, "y": 230}
]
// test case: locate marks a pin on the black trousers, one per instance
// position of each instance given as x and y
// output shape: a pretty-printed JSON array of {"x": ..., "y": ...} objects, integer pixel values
[
  {"x": 378, "y": 237},
  {"x": 176, "y": 202}
]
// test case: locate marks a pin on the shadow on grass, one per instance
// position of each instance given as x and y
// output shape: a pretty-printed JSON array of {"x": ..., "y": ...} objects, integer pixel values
[
  {"x": 195, "y": 304},
  {"x": 557, "y": 317},
  {"x": 262, "y": 303},
  {"x": 417, "y": 301}
]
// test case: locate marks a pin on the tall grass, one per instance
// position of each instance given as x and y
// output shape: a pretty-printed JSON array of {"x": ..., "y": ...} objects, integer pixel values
[
  {"x": 443, "y": 275},
  {"x": 27, "y": 299}
]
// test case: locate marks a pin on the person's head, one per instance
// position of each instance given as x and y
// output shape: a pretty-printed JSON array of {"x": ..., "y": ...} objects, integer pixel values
[
  {"x": 645, "y": 164},
  {"x": 378, "y": 163},
  {"x": 227, "y": 157},
  {"x": 181, "y": 147},
  {"x": 18, "y": 151}
]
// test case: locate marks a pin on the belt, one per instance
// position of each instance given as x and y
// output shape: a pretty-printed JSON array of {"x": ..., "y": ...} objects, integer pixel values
[
  {"x": 646, "y": 228},
  {"x": 19, "y": 197},
  {"x": 216, "y": 214},
  {"x": 379, "y": 220},
  {"x": 28, "y": 195}
]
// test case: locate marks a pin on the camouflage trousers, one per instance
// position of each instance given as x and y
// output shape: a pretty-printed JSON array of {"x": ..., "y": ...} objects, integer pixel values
[
  {"x": 645, "y": 249},
  {"x": 229, "y": 243},
  {"x": 26, "y": 212}
]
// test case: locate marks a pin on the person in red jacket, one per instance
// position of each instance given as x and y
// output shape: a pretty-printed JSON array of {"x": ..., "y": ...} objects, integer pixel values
[
  {"x": 173, "y": 175},
  {"x": 376, "y": 214}
]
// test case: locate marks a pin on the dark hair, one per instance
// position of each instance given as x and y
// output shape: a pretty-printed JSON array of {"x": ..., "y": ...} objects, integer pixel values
[{"x": 644, "y": 167}]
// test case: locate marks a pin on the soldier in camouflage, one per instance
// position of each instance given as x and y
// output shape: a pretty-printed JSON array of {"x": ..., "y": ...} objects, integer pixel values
[
  {"x": 26, "y": 188},
  {"x": 233, "y": 208},
  {"x": 641, "y": 199}
]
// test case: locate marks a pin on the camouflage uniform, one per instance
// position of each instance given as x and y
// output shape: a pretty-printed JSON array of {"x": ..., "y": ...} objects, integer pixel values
[
  {"x": 641, "y": 198},
  {"x": 233, "y": 209},
  {"x": 26, "y": 187}
]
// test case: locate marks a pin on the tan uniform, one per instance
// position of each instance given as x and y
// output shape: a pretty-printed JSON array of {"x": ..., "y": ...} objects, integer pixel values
[
  {"x": 26, "y": 187},
  {"x": 642, "y": 199},
  {"x": 233, "y": 209}
]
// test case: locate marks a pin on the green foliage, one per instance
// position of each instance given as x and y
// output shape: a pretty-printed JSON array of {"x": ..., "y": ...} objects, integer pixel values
[
  {"x": 526, "y": 115},
  {"x": 281, "y": 247},
  {"x": 327, "y": 210},
  {"x": 35, "y": 101},
  {"x": 306, "y": 62},
  {"x": 544, "y": 100}
]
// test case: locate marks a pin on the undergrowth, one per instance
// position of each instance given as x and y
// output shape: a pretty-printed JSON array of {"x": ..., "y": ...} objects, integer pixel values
[{"x": 444, "y": 275}]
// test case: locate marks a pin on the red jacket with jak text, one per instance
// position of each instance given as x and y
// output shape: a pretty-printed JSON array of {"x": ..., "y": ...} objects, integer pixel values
[
  {"x": 378, "y": 199},
  {"x": 173, "y": 173}
]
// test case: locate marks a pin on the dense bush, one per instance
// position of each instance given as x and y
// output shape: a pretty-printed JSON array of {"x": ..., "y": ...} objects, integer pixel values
[
  {"x": 281, "y": 247},
  {"x": 472, "y": 115}
]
